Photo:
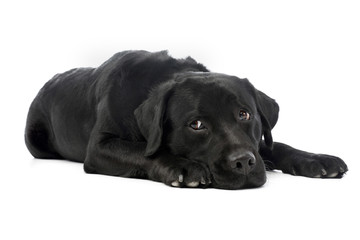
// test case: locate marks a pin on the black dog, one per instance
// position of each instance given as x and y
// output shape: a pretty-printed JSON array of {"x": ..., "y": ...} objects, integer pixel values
[{"x": 148, "y": 115}]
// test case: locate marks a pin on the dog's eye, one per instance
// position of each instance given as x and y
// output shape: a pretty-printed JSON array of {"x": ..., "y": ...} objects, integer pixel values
[
  {"x": 197, "y": 125},
  {"x": 244, "y": 115}
]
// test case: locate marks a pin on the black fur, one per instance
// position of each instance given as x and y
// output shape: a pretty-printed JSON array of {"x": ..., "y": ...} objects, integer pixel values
[{"x": 132, "y": 117}]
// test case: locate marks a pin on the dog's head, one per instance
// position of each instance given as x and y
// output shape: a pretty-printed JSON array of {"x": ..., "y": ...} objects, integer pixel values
[{"x": 212, "y": 118}]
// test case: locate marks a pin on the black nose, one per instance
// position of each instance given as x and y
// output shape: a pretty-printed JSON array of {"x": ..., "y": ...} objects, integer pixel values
[{"x": 242, "y": 161}]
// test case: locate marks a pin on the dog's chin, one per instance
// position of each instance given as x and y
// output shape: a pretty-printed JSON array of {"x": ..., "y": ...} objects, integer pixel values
[{"x": 233, "y": 181}]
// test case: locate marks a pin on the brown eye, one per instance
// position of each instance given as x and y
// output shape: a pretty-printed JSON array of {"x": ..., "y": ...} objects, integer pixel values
[
  {"x": 244, "y": 115},
  {"x": 197, "y": 125}
]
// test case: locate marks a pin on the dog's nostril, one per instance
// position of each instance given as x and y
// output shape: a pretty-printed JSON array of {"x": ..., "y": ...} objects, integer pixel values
[
  {"x": 251, "y": 161},
  {"x": 240, "y": 162},
  {"x": 238, "y": 165}
]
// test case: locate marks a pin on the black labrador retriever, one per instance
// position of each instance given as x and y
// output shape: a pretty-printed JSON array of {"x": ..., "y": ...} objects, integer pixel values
[{"x": 148, "y": 115}]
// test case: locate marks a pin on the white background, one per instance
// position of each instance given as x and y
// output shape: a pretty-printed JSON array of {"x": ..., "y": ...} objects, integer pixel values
[{"x": 305, "y": 54}]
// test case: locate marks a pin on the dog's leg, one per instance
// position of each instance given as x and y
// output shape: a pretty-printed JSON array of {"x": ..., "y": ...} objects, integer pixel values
[
  {"x": 116, "y": 157},
  {"x": 297, "y": 162}
]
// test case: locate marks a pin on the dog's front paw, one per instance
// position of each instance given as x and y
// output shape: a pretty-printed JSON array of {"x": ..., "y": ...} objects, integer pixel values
[
  {"x": 182, "y": 172},
  {"x": 316, "y": 166}
]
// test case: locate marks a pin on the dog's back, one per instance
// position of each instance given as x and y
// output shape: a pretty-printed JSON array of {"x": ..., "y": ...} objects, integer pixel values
[{"x": 62, "y": 115}]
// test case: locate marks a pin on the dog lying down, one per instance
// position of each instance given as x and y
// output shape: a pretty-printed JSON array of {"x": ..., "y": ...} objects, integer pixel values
[{"x": 147, "y": 115}]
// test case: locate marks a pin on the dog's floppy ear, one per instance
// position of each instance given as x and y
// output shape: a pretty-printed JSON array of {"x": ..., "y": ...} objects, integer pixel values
[
  {"x": 150, "y": 116},
  {"x": 269, "y": 112}
]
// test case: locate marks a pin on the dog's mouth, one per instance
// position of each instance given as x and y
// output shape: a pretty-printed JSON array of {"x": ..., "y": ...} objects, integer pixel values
[
  {"x": 232, "y": 179},
  {"x": 241, "y": 182}
]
